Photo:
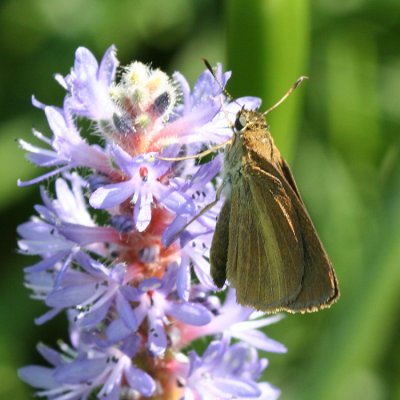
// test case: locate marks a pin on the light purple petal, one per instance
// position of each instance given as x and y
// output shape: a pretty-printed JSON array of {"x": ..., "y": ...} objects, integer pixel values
[
  {"x": 259, "y": 322},
  {"x": 114, "y": 394},
  {"x": 124, "y": 160},
  {"x": 190, "y": 313},
  {"x": 202, "y": 270},
  {"x": 183, "y": 280},
  {"x": 142, "y": 211},
  {"x": 157, "y": 341},
  {"x": 47, "y": 316},
  {"x": 259, "y": 340},
  {"x": 34, "y": 229},
  {"x": 117, "y": 331},
  {"x": 80, "y": 371},
  {"x": 44, "y": 176},
  {"x": 50, "y": 355},
  {"x": 61, "y": 130},
  {"x": 268, "y": 392},
  {"x": 84, "y": 235},
  {"x": 85, "y": 63},
  {"x": 235, "y": 387},
  {"x": 131, "y": 293},
  {"x": 108, "y": 66},
  {"x": 71, "y": 296},
  {"x": 173, "y": 229},
  {"x": 95, "y": 316},
  {"x": 140, "y": 381},
  {"x": 39, "y": 156},
  {"x": 46, "y": 263},
  {"x": 38, "y": 377},
  {"x": 111, "y": 195},
  {"x": 126, "y": 313}
]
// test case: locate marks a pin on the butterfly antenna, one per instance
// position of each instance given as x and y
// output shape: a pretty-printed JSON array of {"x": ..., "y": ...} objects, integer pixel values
[
  {"x": 211, "y": 150},
  {"x": 210, "y": 68},
  {"x": 224, "y": 91},
  {"x": 286, "y": 95}
]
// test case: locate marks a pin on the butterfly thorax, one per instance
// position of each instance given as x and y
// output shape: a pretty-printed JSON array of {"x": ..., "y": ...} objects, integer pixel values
[{"x": 251, "y": 139}]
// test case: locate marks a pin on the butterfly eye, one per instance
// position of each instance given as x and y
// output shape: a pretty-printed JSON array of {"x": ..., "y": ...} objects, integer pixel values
[{"x": 240, "y": 122}]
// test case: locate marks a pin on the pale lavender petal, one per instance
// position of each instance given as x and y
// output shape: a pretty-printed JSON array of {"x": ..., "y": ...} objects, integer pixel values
[
  {"x": 39, "y": 156},
  {"x": 114, "y": 394},
  {"x": 131, "y": 293},
  {"x": 43, "y": 177},
  {"x": 108, "y": 66},
  {"x": 249, "y": 102},
  {"x": 38, "y": 377},
  {"x": 235, "y": 388},
  {"x": 157, "y": 341},
  {"x": 259, "y": 340},
  {"x": 47, "y": 316},
  {"x": 258, "y": 323},
  {"x": 126, "y": 313},
  {"x": 173, "y": 229},
  {"x": 80, "y": 371},
  {"x": 190, "y": 313},
  {"x": 38, "y": 104},
  {"x": 95, "y": 316},
  {"x": 59, "y": 127},
  {"x": 202, "y": 270},
  {"x": 85, "y": 62},
  {"x": 46, "y": 263},
  {"x": 122, "y": 159},
  {"x": 142, "y": 211},
  {"x": 34, "y": 229},
  {"x": 84, "y": 235},
  {"x": 183, "y": 280},
  {"x": 71, "y": 296},
  {"x": 111, "y": 195},
  {"x": 61, "y": 80},
  {"x": 140, "y": 381},
  {"x": 268, "y": 392},
  {"x": 117, "y": 331},
  {"x": 50, "y": 355}
]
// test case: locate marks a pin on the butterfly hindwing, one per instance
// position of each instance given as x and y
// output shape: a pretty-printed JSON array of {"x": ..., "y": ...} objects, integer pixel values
[{"x": 219, "y": 247}]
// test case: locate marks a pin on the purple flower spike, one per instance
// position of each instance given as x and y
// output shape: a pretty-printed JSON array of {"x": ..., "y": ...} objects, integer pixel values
[{"x": 123, "y": 241}]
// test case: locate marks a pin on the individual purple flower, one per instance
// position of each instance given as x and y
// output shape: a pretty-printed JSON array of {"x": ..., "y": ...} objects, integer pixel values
[
  {"x": 226, "y": 372},
  {"x": 69, "y": 149},
  {"x": 76, "y": 373},
  {"x": 204, "y": 108},
  {"x": 64, "y": 229},
  {"x": 143, "y": 186},
  {"x": 89, "y": 84},
  {"x": 93, "y": 294},
  {"x": 198, "y": 192},
  {"x": 233, "y": 321}
]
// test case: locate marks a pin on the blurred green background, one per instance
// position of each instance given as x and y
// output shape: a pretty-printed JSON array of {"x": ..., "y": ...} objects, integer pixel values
[{"x": 339, "y": 131}]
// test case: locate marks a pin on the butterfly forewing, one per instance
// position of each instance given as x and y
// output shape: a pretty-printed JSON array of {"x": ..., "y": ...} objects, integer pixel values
[{"x": 265, "y": 277}]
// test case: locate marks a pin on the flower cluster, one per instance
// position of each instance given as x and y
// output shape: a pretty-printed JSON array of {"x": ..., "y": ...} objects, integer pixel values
[{"x": 135, "y": 302}]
